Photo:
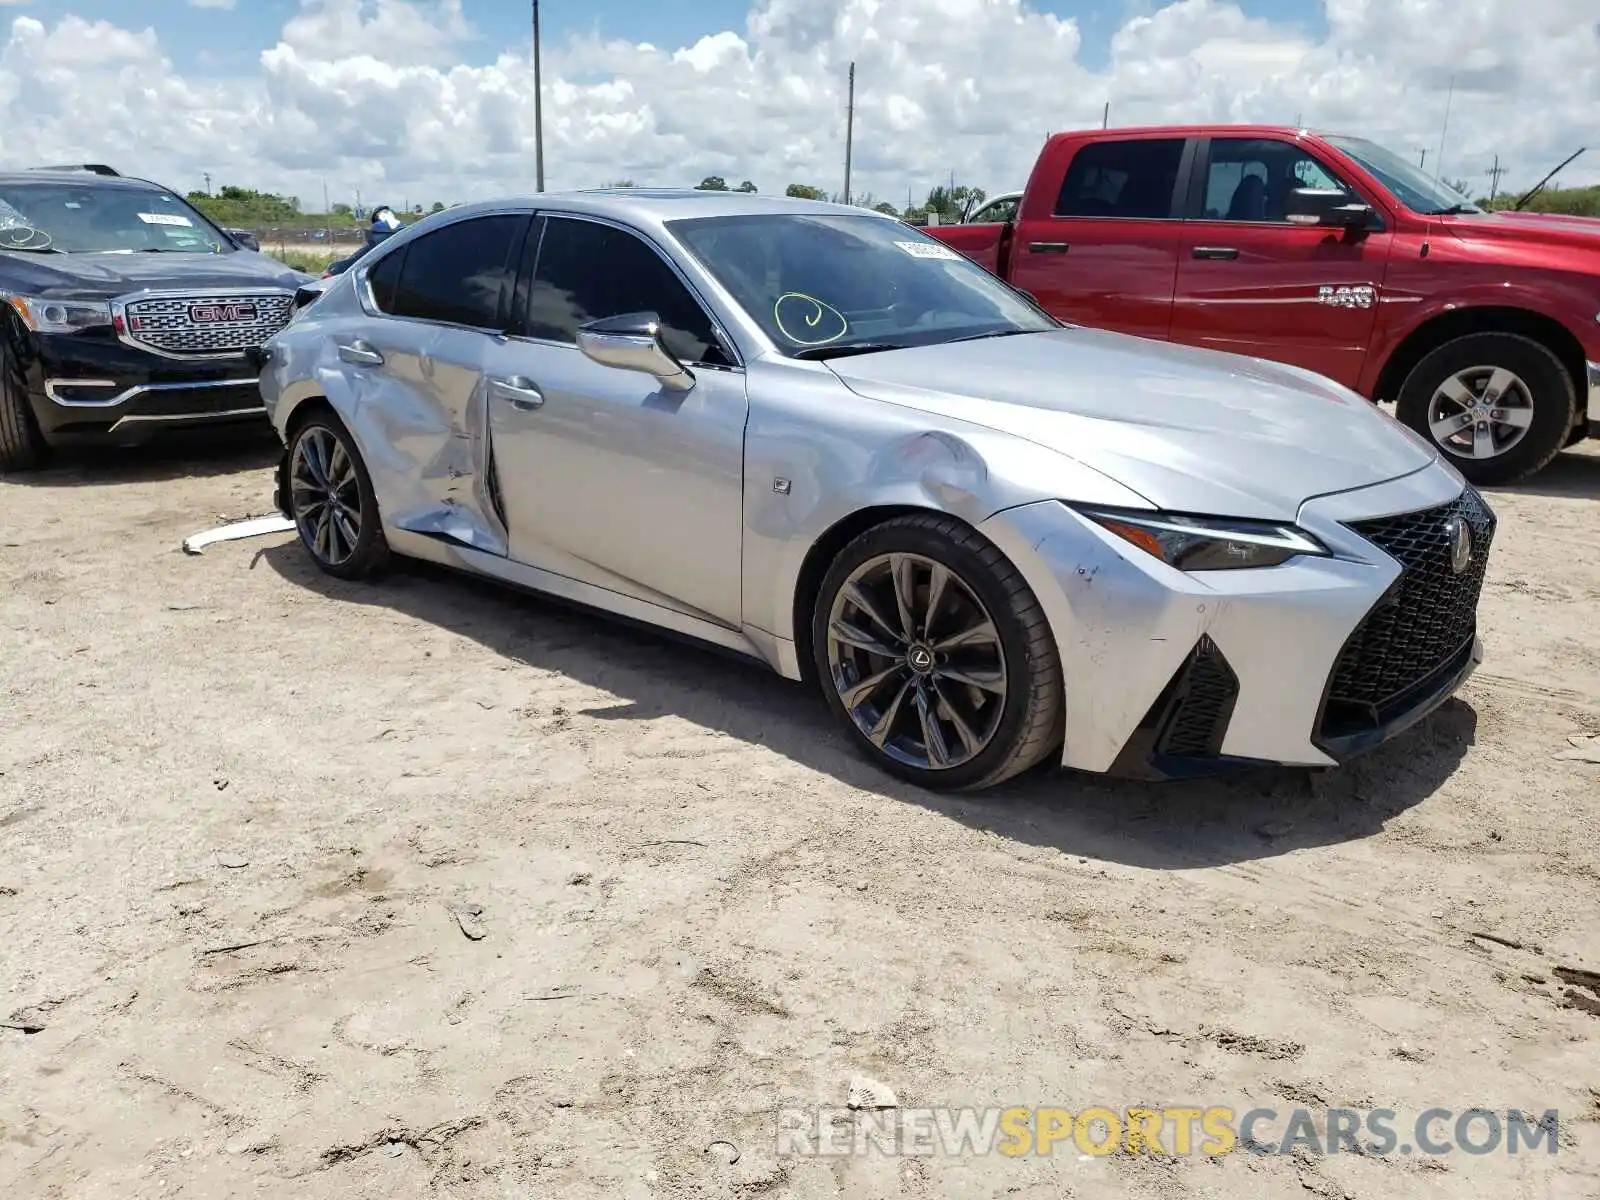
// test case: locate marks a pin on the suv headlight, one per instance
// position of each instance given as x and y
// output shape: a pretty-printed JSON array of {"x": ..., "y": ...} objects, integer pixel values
[
  {"x": 59, "y": 316},
  {"x": 1206, "y": 543}
]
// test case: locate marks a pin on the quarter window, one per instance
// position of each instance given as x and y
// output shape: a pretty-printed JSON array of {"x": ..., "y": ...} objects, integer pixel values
[
  {"x": 1249, "y": 179},
  {"x": 588, "y": 271},
  {"x": 383, "y": 277},
  {"x": 462, "y": 273},
  {"x": 1132, "y": 179}
]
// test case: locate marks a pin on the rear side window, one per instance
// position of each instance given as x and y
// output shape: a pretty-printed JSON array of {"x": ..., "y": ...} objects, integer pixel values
[
  {"x": 384, "y": 277},
  {"x": 1132, "y": 179},
  {"x": 462, "y": 273}
]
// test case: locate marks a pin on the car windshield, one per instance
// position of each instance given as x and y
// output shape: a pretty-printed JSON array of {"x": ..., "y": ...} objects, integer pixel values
[
  {"x": 83, "y": 218},
  {"x": 834, "y": 283},
  {"x": 1413, "y": 187}
]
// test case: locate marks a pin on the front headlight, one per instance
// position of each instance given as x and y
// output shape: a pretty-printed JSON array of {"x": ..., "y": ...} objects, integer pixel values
[
  {"x": 59, "y": 316},
  {"x": 1206, "y": 543}
]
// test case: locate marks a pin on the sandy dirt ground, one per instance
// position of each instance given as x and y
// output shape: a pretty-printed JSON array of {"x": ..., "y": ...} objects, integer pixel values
[{"x": 247, "y": 813}]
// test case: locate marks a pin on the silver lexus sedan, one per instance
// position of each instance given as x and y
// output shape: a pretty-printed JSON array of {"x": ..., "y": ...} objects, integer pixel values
[{"x": 813, "y": 435}]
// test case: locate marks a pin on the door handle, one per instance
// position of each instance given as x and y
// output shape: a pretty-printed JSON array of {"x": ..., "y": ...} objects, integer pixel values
[
  {"x": 1215, "y": 252},
  {"x": 519, "y": 391},
  {"x": 360, "y": 353},
  {"x": 1048, "y": 247}
]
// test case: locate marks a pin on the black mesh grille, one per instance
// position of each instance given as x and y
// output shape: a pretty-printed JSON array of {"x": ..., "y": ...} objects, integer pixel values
[
  {"x": 1422, "y": 623},
  {"x": 1198, "y": 719}
]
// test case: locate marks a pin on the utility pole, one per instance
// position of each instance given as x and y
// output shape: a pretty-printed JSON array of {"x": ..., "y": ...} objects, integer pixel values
[
  {"x": 1422, "y": 157},
  {"x": 327, "y": 211},
  {"x": 1105, "y": 115},
  {"x": 207, "y": 175},
  {"x": 538, "y": 107},
  {"x": 1494, "y": 178},
  {"x": 849, "y": 132}
]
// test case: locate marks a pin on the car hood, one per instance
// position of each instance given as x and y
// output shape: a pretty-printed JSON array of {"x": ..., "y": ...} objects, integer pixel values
[
  {"x": 1189, "y": 430},
  {"x": 102, "y": 276},
  {"x": 1549, "y": 229}
]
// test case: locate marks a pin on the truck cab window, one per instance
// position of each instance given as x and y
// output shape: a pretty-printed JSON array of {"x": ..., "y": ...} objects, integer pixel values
[
  {"x": 1249, "y": 179},
  {"x": 1130, "y": 179}
]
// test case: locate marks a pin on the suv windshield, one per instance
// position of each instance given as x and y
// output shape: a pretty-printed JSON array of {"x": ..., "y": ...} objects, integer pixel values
[
  {"x": 83, "y": 218},
  {"x": 1411, "y": 186},
  {"x": 836, "y": 284}
]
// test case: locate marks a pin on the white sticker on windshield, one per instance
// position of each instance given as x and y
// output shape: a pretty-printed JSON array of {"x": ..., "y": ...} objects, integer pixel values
[
  {"x": 928, "y": 250},
  {"x": 165, "y": 219}
]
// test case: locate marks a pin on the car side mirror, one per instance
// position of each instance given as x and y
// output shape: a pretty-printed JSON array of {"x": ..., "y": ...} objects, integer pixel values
[
  {"x": 245, "y": 238},
  {"x": 632, "y": 342},
  {"x": 1327, "y": 206}
]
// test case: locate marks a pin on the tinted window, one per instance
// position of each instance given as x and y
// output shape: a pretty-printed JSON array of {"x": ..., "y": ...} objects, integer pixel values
[
  {"x": 383, "y": 278},
  {"x": 995, "y": 212},
  {"x": 588, "y": 271},
  {"x": 1249, "y": 179},
  {"x": 1122, "y": 179},
  {"x": 460, "y": 273}
]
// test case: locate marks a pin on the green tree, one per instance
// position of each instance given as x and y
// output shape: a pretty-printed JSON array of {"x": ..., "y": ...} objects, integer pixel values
[
  {"x": 746, "y": 186},
  {"x": 712, "y": 183},
  {"x": 886, "y": 209},
  {"x": 616, "y": 183},
  {"x": 804, "y": 191},
  {"x": 343, "y": 210},
  {"x": 438, "y": 206}
]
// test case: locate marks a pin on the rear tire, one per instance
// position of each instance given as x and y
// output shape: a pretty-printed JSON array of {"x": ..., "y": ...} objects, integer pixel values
[
  {"x": 331, "y": 500},
  {"x": 969, "y": 687},
  {"x": 1498, "y": 406},
  {"x": 22, "y": 446}
]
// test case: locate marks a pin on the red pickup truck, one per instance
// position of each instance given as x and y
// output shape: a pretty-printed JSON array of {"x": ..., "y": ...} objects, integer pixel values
[{"x": 1325, "y": 252}]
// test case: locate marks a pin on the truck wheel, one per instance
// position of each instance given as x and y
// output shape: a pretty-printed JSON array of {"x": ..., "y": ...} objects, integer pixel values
[
  {"x": 1500, "y": 406},
  {"x": 22, "y": 448}
]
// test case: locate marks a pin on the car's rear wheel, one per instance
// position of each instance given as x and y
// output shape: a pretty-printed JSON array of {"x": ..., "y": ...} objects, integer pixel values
[
  {"x": 935, "y": 655},
  {"x": 22, "y": 447},
  {"x": 332, "y": 502},
  {"x": 1500, "y": 406}
]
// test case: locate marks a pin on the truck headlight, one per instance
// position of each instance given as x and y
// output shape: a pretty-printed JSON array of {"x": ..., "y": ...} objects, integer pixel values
[
  {"x": 1206, "y": 543},
  {"x": 44, "y": 315}
]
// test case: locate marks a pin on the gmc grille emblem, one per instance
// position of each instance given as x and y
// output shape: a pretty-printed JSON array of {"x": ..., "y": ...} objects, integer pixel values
[{"x": 222, "y": 314}]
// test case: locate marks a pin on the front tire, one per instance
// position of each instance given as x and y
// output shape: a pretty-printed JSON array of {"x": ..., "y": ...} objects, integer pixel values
[
  {"x": 331, "y": 501},
  {"x": 935, "y": 656},
  {"x": 1499, "y": 406},
  {"x": 22, "y": 446}
]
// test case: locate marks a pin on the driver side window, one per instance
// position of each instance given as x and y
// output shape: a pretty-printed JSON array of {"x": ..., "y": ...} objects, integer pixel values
[
  {"x": 1249, "y": 179},
  {"x": 587, "y": 271}
]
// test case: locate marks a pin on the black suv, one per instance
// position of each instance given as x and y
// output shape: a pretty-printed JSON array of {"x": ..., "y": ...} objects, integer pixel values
[{"x": 123, "y": 311}]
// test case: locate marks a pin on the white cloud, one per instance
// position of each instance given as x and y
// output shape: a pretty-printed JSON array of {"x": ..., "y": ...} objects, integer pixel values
[
  {"x": 226, "y": 5},
  {"x": 376, "y": 94}
]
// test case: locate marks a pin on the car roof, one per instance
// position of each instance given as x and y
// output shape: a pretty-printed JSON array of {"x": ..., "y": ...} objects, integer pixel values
[
  {"x": 85, "y": 178},
  {"x": 659, "y": 205}
]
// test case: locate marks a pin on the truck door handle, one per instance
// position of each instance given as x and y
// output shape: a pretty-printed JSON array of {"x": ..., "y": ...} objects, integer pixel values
[
  {"x": 360, "y": 353},
  {"x": 519, "y": 391},
  {"x": 1215, "y": 252},
  {"x": 1048, "y": 247}
]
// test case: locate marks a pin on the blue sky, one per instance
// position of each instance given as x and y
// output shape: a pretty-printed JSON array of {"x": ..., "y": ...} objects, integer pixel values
[{"x": 218, "y": 41}]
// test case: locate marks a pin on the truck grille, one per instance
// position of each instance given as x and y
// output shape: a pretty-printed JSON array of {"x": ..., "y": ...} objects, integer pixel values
[
  {"x": 205, "y": 325},
  {"x": 1422, "y": 623}
]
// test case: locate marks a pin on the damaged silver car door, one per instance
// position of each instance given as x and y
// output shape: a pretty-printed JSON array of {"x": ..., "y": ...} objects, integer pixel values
[
  {"x": 421, "y": 374},
  {"x": 623, "y": 470}
]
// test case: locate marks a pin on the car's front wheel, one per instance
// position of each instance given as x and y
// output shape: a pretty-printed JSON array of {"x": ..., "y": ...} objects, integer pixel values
[
  {"x": 332, "y": 502},
  {"x": 935, "y": 655},
  {"x": 1500, "y": 406},
  {"x": 21, "y": 446}
]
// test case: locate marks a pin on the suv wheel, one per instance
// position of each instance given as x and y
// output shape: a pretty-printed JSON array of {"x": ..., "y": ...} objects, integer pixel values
[
  {"x": 22, "y": 448},
  {"x": 935, "y": 656},
  {"x": 1500, "y": 406},
  {"x": 332, "y": 502}
]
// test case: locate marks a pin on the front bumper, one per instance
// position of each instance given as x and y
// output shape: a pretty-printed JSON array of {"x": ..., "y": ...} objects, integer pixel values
[
  {"x": 1170, "y": 674},
  {"x": 87, "y": 388}
]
